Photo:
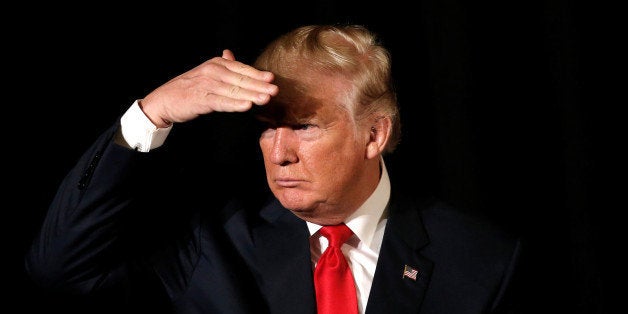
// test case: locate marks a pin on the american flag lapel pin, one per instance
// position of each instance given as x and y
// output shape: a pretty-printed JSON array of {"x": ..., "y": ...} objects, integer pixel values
[{"x": 410, "y": 272}]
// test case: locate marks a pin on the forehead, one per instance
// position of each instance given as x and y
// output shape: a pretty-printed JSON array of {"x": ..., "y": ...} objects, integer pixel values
[{"x": 309, "y": 95}]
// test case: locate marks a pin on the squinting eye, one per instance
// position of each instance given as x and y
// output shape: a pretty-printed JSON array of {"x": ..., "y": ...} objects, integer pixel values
[{"x": 304, "y": 126}]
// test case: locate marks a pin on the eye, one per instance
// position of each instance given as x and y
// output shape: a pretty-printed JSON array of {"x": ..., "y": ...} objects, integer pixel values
[{"x": 305, "y": 126}]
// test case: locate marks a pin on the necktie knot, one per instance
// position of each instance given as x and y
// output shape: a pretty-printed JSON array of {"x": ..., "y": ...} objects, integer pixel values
[{"x": 336, "y": 234}]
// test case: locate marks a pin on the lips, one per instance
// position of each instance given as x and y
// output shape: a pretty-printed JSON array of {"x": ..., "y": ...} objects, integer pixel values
[{"x": 288, "y": 182}]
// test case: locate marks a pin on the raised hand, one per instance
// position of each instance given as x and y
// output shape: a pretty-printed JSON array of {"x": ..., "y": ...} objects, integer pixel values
[{"x": 219, "y": 84}]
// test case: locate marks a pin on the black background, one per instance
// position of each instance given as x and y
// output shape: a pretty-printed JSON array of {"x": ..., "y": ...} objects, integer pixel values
[{"x": 508, "y": 108}]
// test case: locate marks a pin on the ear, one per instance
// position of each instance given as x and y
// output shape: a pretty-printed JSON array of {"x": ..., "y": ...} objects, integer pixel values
[{"x": 379, "y": 133}]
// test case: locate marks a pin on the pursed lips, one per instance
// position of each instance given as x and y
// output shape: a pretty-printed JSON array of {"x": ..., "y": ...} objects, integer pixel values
[{"x": 287, "y": 182}]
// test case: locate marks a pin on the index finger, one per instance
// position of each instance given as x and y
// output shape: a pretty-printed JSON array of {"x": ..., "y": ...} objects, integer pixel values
[{"x": 247, "y": 70}]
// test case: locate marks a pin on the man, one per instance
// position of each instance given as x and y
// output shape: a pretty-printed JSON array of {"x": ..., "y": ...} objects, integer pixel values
[{"x": 324, "y": 98}]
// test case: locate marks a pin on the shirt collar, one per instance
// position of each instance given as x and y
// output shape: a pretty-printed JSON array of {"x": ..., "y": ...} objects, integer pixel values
[{"x": 364, "y": 220}]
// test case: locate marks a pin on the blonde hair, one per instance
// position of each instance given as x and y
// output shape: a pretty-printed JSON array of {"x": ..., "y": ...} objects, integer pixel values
[{"x": 350, "y": 50}]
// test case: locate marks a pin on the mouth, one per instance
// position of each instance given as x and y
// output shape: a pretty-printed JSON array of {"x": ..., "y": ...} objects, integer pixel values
[{"x": 287, "y": 182}]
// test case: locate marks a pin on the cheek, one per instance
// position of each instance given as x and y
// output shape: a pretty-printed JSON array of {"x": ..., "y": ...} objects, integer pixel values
[
  {"x": 331, "y": 162},
  {"x": 266, "y": 145},
  {"x": 316, "y": 159}
]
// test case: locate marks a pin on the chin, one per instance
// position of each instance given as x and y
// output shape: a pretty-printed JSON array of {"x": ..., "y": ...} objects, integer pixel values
[
  {"x": 292, "y": 198},
  {"x": 295, "y": 203},
  {"x": 296, "y": 207}
]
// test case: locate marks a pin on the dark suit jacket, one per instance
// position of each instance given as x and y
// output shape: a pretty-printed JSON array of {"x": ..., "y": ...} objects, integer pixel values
[{"x": 250, "y": 255}]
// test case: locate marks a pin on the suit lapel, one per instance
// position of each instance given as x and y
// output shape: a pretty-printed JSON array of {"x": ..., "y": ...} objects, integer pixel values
[
  {"x": 281, "y": 249},
  {"x": 280, "y": 256},
  {"x": 404, "y": 236}
]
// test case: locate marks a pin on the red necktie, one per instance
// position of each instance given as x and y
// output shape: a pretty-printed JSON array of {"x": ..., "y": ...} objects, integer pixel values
[{"x": 335, "y": 289}]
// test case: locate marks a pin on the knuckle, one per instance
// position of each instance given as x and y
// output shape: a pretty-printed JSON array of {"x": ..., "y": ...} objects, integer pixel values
[{"x": 234, "y": 90}]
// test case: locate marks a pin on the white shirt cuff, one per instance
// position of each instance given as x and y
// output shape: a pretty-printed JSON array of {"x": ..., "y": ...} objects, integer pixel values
[{"x": 139, "y": 132}]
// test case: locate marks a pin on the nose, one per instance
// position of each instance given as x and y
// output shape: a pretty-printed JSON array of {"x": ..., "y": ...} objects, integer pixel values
[{"x": 283, "y": 150}]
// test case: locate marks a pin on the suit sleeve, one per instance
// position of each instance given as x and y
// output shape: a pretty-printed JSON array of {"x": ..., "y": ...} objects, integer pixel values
[{"x": 91, "y": 237}]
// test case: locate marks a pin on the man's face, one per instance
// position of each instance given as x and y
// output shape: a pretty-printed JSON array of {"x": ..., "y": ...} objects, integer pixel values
[{"x": 314, "y": 155}]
